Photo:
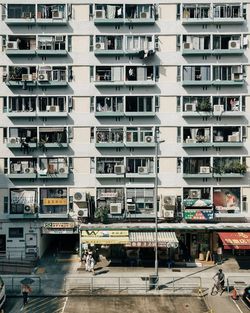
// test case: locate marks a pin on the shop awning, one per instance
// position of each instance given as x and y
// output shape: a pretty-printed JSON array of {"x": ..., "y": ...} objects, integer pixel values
[
  {"x": 235, "y": 240},
  {"x": 147, "y": 239}
]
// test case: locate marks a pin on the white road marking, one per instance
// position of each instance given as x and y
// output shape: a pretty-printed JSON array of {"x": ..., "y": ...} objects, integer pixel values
[
  {"x": 237, "y": 306},
  {"x": 64, "y": 304}
]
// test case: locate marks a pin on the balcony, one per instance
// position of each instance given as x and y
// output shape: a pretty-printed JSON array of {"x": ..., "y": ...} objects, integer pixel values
[
  {"x": 50, "y": 15},
  {"x": 231, "y": 167},
  {"x": 53, "y": 137},
  {"x": 197, "y": 168},
  {"x": 20, "y": 14},
  {"x": 140, "y": 168},
  {"x": 196, "y": 76},
  {"x": 140, "y": 45},
  {"x": 54, "y": 168},
  {"x": 228, "y": 75},
  {"x": 22, "y": 138},
  {"x": 142, "y": 14},
  {"x": 140, "y": 137},
  {"x": 109, "y": 76},
  {"x": 140, "y": 76},
  {"x": 110, "y": 167},
  {"x": 196, "y": 107},
  {"x": 196, "y": 14},
  {"x": 228, "y": 14},
  {"x": 23, "y": 203},
  {"x": 108, "y": 45},
  {"x": 196, "y": 45},
  {"x": 52, "y": 107},
  {"x": 55, "y": 76},
  {"x": 230, "y": 106},
  {"x": 53, "y": 203},
  {"x": 111, "y": 14},
  {"x": 109, "y": 138},
  {"x": 109, "y": 106},
  {"x": 227, "y": 45},
  {"x": 21, "y": 77},
  {"x": 18, "y": 107},
  {"x": 21, "y": 46},
  {"x": 140, "y": 106},
  {"x": 22, "y": 168},
  {"x": 52, "y": 46},
  {"x": 196, "y": 137},
  {"x": 227, "y": 137}
]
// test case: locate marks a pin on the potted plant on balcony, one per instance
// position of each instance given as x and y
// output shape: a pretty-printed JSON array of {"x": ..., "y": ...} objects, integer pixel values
[
  {"x": 204, "y": 106},
  {"x": 101, "y": 214},
  {"x": 235, "y": 167}
]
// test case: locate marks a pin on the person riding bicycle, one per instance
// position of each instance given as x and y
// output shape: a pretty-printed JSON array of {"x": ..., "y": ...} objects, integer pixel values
[{"x": 221, "y": 278}]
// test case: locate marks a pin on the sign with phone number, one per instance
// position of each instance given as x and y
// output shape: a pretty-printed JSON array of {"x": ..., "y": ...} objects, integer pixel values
[{"x": 202, "y": 215}]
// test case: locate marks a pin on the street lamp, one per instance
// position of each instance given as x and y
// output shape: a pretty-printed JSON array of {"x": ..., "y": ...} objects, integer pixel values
[{"x": 157, "y": 142}]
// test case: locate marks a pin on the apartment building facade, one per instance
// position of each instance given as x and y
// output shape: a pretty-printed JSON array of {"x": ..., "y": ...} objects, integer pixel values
[{"x": 112, "y": 111}]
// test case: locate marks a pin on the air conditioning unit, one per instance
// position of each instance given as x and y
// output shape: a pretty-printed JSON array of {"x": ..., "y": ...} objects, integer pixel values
[
  {"x": 79, "y": 196},
  {"x": 234, "y": 44},
  {"x": 57, "y": 14},
  {"x": 218, "y": 108},
  {"x": 187, "y": 45},
  {"x": 204, "y": 169},
  {"x": 29, "y": 170},
  {"x": 42, "y": 76},
  {"x": 82, "y": 213},
  {"x": 99, "y": 14},
  {"x": 119, "y": 169},
  {"x": 233, "y": 138},
  {"x": 144, "y": 15},
  {"x": 131, "y": 207},
  {"x": 12, "y": 45},
  {"x": 194, "y": 193},
  {"x": 168, "y": 202},
  {"x": 237, "y": 76},
  {"x": 142, "y": 170},
  {"x": 149, "y": 138},
  {"x": 100, "y": 46},
  {"x": 13, "y": 140},
  {"x": 29, "y": 209},
  {"x": 63, "y": 170},
  {"x": 168, "y": 213},
  {"x": 190, "y": 140},
  {"x": 58, "y": 38},
  {"x": 115, "y": 208},
  {"x": 190, "y": 107},
  {"x": 53, "y": 108},
  {"x": 27, "y": 77}
]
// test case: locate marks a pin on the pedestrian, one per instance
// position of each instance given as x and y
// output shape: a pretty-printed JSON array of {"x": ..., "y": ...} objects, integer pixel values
[
  {"x": 25, "y": 291},
  {"x": 87, "y": 262},
  {"x": 92, "y": 264},
  {"x": 220, "y": 278}
]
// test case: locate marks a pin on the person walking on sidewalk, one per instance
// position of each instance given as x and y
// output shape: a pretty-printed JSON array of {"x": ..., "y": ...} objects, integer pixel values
[{"x": 25, "y": 291}]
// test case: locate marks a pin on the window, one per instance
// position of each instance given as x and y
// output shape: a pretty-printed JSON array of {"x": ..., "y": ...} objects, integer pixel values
[
  {"x": 5, "y": 204},
  {"x": 16, "y": 232}
]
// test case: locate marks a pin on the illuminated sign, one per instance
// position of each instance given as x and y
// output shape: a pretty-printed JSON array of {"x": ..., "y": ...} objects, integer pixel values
[
  {"x": 198, "y": 215},
  {"x": 59, "y": 225},
  {"x": 54, "y": 201}
]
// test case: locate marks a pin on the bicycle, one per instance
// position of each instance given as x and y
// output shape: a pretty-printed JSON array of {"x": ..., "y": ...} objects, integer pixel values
[{"x": 217, "y": 288}]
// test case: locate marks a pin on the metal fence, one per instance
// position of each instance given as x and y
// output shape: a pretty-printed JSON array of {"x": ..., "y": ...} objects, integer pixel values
[
  {"x": 238, "y": 282},
  {"x": 13, "y": 283},
  {"x": 97, "y": 284}
]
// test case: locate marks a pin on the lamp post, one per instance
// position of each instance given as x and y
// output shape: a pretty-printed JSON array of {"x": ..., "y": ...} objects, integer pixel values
[{"x": 157, "y": 142}]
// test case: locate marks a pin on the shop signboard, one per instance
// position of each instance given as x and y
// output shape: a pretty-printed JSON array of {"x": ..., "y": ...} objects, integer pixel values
[
  {"x": 198, "y": 215},
  {"x": 105, "y": 236},
  {"x": 227, "y": 200},
  {"x": 197, "y": 202},
  {"x": 57, "y": 231},
  {"x": 54, "y": 201},
  {"x": 59, "y": 225}
]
